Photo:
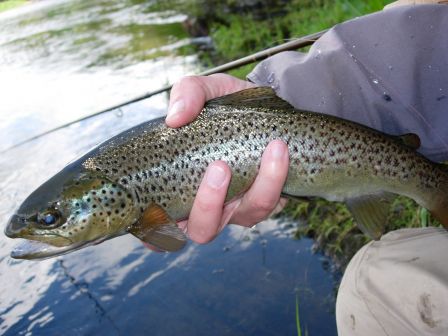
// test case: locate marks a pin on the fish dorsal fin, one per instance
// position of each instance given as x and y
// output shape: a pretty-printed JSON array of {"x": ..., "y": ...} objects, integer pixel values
[
  {"x": 262, "y": 97},
  {"x": 156, "y": 228},
  {"x": 370, "y": 212},
  {"x": 411, "y": 140}
]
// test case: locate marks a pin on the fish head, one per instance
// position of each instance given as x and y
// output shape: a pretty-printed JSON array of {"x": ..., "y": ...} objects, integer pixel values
[{"x": 73, "y": 209}]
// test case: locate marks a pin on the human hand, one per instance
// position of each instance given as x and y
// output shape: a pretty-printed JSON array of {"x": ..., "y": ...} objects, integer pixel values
[{"x": 209, "y": 214}]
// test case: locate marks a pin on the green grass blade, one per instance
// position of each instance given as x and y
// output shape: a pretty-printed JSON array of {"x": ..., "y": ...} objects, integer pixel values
[{"x": 299, "y": 329}]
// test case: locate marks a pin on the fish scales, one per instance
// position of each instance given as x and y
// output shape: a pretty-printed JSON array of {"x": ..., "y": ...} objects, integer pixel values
[
  {"x": 146, "y": 178},
  {"x": 328, "y": 157}
]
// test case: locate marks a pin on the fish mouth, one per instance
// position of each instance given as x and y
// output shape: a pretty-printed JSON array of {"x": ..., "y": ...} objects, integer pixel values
[{"x": 36, "y": 250}]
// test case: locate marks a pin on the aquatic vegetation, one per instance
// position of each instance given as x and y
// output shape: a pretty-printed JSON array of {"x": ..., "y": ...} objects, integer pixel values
[{"x": 335, "y": 232}]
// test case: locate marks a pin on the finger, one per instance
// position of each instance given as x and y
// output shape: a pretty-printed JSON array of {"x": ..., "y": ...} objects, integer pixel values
[
  {"x": 279, "y": 207},
  {"x": 189, "y": 95},
  {"x": 205, "y": 216},
  {"x": 264, "y": 194}
]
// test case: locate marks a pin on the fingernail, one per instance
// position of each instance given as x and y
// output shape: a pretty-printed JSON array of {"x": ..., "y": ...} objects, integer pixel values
[
  {"x": 215, "y": 177},
  {"x": 278, "y": 150},
  {"x": 175, "y": 110}
]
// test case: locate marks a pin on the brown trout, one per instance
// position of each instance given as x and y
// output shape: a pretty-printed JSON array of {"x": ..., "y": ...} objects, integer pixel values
[{"x": 145, "y": 179}]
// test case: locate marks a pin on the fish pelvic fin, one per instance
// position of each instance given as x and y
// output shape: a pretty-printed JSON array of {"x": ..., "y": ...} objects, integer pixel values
[
  {"x": 156, "y": 228},
  {"x": 370, "y": 213},
  {"x": 258, "y": 97}
]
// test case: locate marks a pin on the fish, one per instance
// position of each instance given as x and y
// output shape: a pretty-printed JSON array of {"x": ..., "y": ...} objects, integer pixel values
[{"x": 144, "y": 180}]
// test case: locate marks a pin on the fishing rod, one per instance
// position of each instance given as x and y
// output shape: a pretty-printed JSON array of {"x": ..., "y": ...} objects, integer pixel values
[{"x": 258, "y": 56}]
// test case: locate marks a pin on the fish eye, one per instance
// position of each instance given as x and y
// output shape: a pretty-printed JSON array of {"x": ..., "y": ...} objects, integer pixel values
[{"x": 50, "y": 219}]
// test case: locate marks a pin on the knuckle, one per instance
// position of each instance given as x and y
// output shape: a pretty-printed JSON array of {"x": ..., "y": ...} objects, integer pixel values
[
  {"x": 200, "y": 235},
  {"x": 263, "y": 205},
  {"x": 190, "y": 80},
  {"x": 200, "y": 239},
  {"x": 247, "y": 222},
  {"x": 205, "y": 205},
  {"x": 182, "y": 82}
]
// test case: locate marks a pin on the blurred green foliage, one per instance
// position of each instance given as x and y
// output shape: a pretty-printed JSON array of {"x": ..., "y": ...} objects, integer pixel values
[
  {"x": 335, "y": 231},
  {"x": 9, "y": 4},
  {"x": 239, "y": 28}
]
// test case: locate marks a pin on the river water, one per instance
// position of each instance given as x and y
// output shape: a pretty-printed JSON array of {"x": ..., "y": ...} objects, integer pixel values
[{"x": 60, "y": 60}]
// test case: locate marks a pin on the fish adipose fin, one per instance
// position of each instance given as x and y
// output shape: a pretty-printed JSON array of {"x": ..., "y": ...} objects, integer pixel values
[
  {"x": 370, "y": 213},
  {"x": 259, "y": 97},
  {"x": 156, "y": 228},
  {"x": 411, "y": 140}
]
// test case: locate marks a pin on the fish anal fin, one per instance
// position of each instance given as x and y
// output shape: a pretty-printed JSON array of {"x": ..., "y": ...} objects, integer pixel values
[
  {"x": 156, "y": 228},
  {"x": 441, "y": 214},
  {"x": 411, "y": 140},
  {"x": 438, "y": 206},
  {"x": 259, "y": 97},
  {"x": 370, "y": 212}
]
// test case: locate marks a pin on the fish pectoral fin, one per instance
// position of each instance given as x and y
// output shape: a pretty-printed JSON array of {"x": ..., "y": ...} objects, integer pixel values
[
  {"x": 370, "y": 212},
  {"x": 156, "y": 228},
  {"x": 411, "y": 140},
  {"x": 263, "y": 96}
]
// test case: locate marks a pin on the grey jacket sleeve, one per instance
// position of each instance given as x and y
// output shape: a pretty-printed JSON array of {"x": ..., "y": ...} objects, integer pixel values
[{"x": 387, "y": 70}]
